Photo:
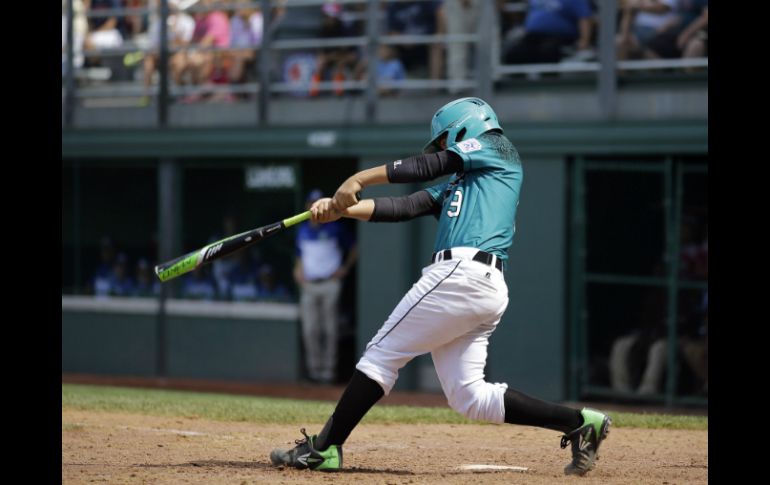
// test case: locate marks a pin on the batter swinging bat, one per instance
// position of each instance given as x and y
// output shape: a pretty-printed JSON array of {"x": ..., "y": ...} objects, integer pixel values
[{"x": 219, "y": 249}]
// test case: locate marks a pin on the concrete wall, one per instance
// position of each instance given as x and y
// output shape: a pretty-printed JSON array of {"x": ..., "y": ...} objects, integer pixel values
[{"x": 239, "y": 342}]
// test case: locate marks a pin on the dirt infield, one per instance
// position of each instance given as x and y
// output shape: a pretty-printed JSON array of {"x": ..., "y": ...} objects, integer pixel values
[{"x": 99, "y": 447}]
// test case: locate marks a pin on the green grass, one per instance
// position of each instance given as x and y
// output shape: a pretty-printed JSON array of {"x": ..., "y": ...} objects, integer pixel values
[
  {"x": 223, "y": 407},
  {"x": 658, "y": 421},
  {"x": 72, "y": 427}
]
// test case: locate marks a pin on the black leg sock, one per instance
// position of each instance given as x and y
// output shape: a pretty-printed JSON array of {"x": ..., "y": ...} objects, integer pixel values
[
  {"x": 360, "y": 395},
  {"x": 526, "y": 410}
]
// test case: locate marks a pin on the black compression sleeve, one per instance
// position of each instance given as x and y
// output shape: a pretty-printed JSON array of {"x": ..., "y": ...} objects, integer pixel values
[
  {"x": 395, "y": 209},
  {"x": 424, "y": 167}
]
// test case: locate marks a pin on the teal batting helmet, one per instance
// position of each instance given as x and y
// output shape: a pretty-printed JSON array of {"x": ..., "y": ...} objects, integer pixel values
[{"x": 461, "y": 119}]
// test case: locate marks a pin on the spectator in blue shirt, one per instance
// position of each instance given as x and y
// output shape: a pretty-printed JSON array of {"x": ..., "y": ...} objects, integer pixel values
[
  {"x": 121, "y": 284},
  {"x": 552, "y": 27},
  {"x": 389, "y": 68},
  {"x": 146, "y": 282},
  {"x": 199, "y": 285}
]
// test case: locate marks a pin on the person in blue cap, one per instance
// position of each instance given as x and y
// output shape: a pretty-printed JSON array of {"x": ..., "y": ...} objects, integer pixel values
[{"x": 325, "y": 253}]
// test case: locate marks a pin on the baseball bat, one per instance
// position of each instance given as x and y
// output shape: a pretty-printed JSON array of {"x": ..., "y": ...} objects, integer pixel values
[{"x": 224, "y": 247}]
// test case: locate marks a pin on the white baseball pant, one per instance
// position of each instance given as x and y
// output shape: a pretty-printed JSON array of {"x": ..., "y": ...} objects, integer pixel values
[{"x": 450, "y": 312}]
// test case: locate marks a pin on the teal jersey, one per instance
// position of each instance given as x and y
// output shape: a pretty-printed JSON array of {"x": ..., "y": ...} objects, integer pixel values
[{"x": 478, "y": 204}]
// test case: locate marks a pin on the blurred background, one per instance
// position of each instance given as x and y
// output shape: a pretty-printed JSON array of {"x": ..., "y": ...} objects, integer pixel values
[{"x": 186, "y": 121}]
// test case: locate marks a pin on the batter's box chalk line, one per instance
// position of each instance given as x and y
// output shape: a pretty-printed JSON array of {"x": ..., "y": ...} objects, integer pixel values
[
  {"x": 172, "y": 431},
  {"x": 490, "y": 468}
]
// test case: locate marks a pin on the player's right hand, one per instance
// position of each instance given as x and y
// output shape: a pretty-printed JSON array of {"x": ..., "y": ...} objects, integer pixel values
[
  {"x": 347, "y": 194},
  {"x": 323, "y": 211}
]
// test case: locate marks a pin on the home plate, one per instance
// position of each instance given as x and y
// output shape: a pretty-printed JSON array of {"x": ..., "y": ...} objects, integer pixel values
[{"x": 483, "y": 468}]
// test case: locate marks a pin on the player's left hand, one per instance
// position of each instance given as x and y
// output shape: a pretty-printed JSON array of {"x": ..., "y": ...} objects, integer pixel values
[
  {"x": 324, "y": 211},
  {"x": 347, "y": 194}
]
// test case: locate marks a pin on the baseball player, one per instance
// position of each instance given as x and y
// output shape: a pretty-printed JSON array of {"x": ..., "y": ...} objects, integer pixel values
[{"x": 452, "y": 310}]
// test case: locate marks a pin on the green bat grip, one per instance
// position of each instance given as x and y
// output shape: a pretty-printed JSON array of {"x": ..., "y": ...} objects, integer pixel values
[{"x": 296, "y": 219}]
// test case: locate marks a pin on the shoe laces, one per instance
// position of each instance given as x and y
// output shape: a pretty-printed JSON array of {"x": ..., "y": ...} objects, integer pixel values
[
  {"x": 574, "y": 434},
  {"x": 304, "y": 440}
]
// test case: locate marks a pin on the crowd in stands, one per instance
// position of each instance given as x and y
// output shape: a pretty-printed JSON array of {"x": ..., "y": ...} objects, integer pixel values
[
  {"x": 239, "y": 278},
  {"x": 529, "y": 31}
]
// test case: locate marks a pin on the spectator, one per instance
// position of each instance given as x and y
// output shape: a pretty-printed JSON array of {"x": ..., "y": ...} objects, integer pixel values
[
  {"x": 199, "y": 285},
  {"x": 146, "y": 283},
  {"x": 389, "y": 69},
  {"x": 551, "y": 29},
  {"x": 268, "y": 288},
  {"x": 687, "y": 37},
  {"x": 136, "y": 24},
  {"x": 641, "y": 21},
  {"x": 694, "y": 40},
  {"x": 320, "y": 267},
  {"x": 243, "y": 279},
  {"x": 692, "y": 345},
  {"x": 180, "y": 28},
  {"x": 103, "y": 273},
  {"x": 334, "y": 63},
  {"x": 121, "y": 283},
  {"x": 212, "y": 29},
  {"x": 415, "y": 18},
  {"x": 246, "y": 27},
  {"x": 104, "y": 32},
  {"x": 632, "y": 353}
]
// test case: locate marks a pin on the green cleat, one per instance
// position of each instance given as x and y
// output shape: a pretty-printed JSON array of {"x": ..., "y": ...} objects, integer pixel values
[
  {"x": 586, "y": 440},
  {"x": 304, "y": 455}
]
